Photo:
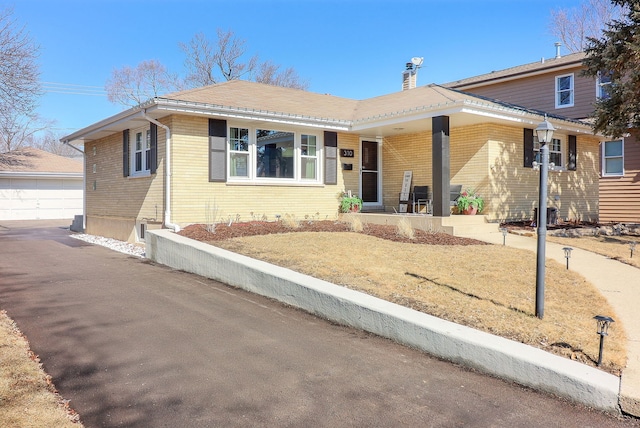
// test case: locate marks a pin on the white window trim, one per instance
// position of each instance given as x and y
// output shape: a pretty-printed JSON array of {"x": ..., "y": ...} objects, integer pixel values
[
  {"x": 604, "y": 158},
  {"x": 572, "y": 89},
  {"x": 251, "y": 177},
  {"x": 599, "y": 86},
  {"x": 564, "y": 149},
  {"x": 146, "y": 169}
]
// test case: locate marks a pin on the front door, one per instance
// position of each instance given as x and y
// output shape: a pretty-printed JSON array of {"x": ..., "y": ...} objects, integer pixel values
[{"x": 369, "y": 176}]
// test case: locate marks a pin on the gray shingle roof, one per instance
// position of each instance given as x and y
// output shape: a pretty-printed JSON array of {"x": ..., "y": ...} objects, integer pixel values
[
  {"x": 38, "y": 161},
  {"x": 570, "y": 60}
]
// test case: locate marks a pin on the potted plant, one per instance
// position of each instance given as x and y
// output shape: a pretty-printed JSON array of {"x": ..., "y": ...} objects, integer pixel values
[
  {"x": 469, "y": 203},
  {"x": 350, "y": 203}
]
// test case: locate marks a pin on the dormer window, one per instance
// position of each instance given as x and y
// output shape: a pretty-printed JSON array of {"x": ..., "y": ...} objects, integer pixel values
[{"x": 564, "y": 91}]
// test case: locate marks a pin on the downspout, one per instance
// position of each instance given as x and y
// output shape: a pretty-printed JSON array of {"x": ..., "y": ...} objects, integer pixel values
[
  {"x": 167, "y": 174},
  {"x": 84, "y": 183}
]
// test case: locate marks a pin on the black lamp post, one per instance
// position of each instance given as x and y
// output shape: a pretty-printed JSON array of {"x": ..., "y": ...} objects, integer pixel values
[
  {"x": 544, "y": 131},
  {"x": 632, "y": 247},
  {"x": 504, "y": 231},
  {"x": 567, "y": 254},
  {"x": 603, "y": 329}
]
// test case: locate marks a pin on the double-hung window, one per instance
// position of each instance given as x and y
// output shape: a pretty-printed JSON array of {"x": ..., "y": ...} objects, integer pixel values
[
  {"x": 555, "y": 152},
  {"x": 613, "y": 158},
  {"x": 273, "y": 155},
  {"x": 564, "y": 91},
  {"x": 309, "y": 157},
  {"x": 142, "y": 152},
  {"x": 239, "y": 152},
  {"x": 603, "y": 85}
]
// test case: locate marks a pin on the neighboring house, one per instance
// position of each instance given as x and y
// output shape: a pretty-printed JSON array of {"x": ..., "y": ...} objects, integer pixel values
[
  {"x": 243, "y": 150},
  {"x": 35, "y": 184},
  {"x": 557, "y": 86}
]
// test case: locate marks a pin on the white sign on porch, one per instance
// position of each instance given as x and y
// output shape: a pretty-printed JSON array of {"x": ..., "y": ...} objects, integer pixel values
[{"x": 404, "y": 193}]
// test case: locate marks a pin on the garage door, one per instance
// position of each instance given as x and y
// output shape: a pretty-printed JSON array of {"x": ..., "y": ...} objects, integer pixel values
[{"x": 31, "y": 198}]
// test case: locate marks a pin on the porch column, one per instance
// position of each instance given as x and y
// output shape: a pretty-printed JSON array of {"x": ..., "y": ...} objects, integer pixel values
[{"x": 440, "y": 165}]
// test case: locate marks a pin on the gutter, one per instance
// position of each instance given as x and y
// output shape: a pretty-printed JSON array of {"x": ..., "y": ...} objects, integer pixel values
[{"x": 167, "y": 173}]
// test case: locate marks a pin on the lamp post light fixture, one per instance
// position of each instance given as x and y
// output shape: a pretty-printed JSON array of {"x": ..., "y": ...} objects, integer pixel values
[
  {"x": 603, "y": 329},
  {"x": 632, "y": 247},
  {"x": 544, "y": 131},
  {"x": 504, "y": 231},
  {"x": 567, "y": 254}
]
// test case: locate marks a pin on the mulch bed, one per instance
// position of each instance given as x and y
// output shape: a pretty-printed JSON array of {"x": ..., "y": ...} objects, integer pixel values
[{"x": 236, "y": 230}]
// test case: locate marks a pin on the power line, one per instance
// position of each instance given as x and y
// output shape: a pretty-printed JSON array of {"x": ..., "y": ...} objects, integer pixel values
[{"x": 73, "y": 89}]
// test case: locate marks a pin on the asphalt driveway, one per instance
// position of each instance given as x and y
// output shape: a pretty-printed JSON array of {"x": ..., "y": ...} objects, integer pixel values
[{"x": 135, "y": 344}]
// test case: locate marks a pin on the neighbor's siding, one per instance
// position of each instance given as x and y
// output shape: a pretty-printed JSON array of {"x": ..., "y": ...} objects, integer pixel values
[
  {"x": 538, "y": 92},
  {"x": 620, "y": 196}
]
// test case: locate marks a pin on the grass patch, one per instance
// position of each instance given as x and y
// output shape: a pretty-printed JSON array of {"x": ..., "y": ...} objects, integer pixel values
[
  {"x": 614, "y": 247},
  {"x": 27, "y": 396},
  {"x": 491, "y": 288}
]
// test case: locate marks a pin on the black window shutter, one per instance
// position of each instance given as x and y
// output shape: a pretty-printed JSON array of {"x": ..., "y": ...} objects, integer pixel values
[
  {"x": 528, "y": 148},
  {"x": 572, "y": 163},
  {"x": 217, "y": 150},
  {"x": 330, "y": 157},
  {"x": 154, "y": 148},
  {"x": 125, "y": 153}
]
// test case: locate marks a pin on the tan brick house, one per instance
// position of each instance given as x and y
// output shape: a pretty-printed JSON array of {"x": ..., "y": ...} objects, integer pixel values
[
  {"x": 241, "y": 150},
  {"x": 556, "y": 85}
]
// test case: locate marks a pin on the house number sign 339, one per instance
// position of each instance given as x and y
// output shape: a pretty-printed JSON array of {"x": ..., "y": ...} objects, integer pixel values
[{"x": 346, "y": 153}]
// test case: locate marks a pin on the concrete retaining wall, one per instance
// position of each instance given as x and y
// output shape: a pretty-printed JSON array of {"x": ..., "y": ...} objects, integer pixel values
[{"x": 491, "y": 354}]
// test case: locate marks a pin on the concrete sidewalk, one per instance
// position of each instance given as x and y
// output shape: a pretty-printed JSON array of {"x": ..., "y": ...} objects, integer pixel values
[{"x": 618, "y": 282}]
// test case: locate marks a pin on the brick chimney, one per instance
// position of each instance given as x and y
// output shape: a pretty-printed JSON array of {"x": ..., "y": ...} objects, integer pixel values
[{"x": 409, "y": 77}]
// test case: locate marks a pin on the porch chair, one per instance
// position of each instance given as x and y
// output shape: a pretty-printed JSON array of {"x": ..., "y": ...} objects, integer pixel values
[
  {"x": 421, "y": 196},
  {"x": 454, "y": 194}
]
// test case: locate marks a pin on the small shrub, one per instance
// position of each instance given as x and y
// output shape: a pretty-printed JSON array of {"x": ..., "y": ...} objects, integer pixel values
[
  {"x": 291, "y": 221},
  {"x": 405, "y": 229},
  {"x": 211, "y": 211},
  {"x": 355, "y": 223}
]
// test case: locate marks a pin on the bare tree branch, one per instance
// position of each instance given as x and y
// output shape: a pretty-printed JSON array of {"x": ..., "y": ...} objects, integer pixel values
[
  {"x": 225, "y": 59},
  {"x": 132, "y": 86},
  {"x": 17, "y": 130},
  {"x": 270, "y": 73},
  {"x": 574, "y": 26},
  {"x": 19, "y": 72}
]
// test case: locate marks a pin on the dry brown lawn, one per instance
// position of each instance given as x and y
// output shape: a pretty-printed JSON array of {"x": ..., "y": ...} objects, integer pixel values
[
  {"x": 491, "y": 288},
  {"x": 27, "y": 396},
  {"x": 614, "y": 247}
]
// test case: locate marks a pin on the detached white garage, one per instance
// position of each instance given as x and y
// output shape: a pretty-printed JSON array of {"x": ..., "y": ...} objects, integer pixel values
[{"x": 35, "y": 184}]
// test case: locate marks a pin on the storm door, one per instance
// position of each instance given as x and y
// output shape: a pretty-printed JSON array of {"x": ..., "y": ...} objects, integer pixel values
[{"x": 369, "y": 174}]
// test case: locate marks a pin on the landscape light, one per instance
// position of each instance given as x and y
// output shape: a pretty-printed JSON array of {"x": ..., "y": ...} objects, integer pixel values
[
  {"x": 567, "y": 254},
  {"x": 632, "y": 246},
  {"x": 504, "y": 231},
  {"x": 603, "y": 329}
]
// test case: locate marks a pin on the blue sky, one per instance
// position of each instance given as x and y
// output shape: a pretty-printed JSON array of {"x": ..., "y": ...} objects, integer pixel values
[{"x": 349, "y": 48}]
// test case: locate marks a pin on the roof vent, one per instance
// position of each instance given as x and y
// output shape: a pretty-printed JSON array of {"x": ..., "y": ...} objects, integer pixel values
[{"x": 557, "y": 45}]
